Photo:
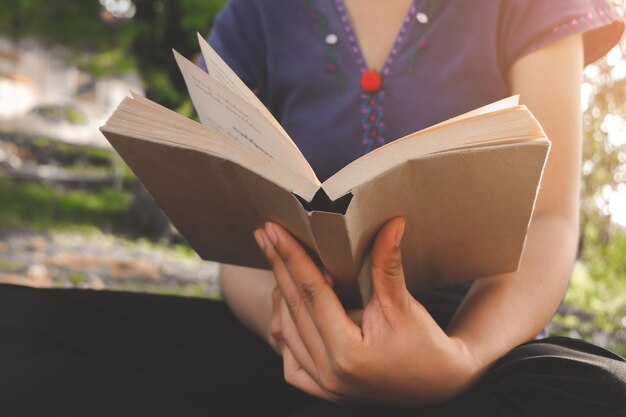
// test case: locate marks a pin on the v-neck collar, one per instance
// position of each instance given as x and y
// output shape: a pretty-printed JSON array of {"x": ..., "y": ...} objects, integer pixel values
[{"x": 356, "y": 47}]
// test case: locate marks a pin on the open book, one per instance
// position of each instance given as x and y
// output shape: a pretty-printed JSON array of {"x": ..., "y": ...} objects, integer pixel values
[{"x": 466, "y": 187}]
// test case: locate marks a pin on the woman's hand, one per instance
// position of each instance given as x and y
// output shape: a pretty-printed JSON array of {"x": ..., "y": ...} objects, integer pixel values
[
  {"x": 274, "y": 335},
  {"x": 396, "y": 354}
]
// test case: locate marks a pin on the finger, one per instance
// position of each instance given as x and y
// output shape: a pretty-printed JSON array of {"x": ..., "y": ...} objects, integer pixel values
[
  {"x": 294, "y": 342},
  {"x": 276, "y": 339},
  {"x": 305, "y": 327},
  {"x": 311, "y": 288},
  {"x": 297, "y": 376},
  {"x": 328, "y": 278},
  {"x": 387, "y": 273}
]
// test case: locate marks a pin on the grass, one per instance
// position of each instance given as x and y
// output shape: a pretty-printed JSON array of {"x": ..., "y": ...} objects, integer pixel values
[
  {"x": 44, "y": 208},
  {"x": 95, "y": 154},
  {"x": 600, "y": 301},
  {"x": 603, "y": 298},
  {"x": 192, "y": 289},
  {"x": 77, "y": 278},
  {"x": 7, "y": 265},
  {"x": 90, "y": 159}
]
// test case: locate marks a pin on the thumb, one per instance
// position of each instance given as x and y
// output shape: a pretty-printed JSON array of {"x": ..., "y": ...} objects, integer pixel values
[{"x": 387, "y": 274}]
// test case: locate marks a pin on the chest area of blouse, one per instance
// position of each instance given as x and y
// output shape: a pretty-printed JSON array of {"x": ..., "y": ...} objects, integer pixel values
[
  {"x": 376, "y": 25},
  {"x": 431, "y": 72},
  {"x": 436, "y": 43}
]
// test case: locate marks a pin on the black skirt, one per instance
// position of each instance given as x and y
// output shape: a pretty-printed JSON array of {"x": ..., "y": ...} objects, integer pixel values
[{"x": 101, "y": 353}]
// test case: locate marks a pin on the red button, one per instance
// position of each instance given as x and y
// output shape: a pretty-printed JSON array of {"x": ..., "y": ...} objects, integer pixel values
[{"x": 371, "y": 81}]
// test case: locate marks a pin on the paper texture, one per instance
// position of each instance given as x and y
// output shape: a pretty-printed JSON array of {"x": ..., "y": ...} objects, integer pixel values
[
  {"x": 467, "y": 211},
  {"x": 466, "y": 187},
  {"x": 219, "y": 108},
  {"x": 214, "y": 203}
]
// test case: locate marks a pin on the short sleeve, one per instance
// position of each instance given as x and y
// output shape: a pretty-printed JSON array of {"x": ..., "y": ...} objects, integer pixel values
[
  {"x": 527, "y": 25},
  {"x": 237, "y": 36}
]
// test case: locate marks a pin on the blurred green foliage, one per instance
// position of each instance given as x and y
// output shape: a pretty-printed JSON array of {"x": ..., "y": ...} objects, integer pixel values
[
  {"x": 192, "y": 289},
  {"x": 604, "y": 166},
  {"x": 42, "y": 207},
  {"x": 75, "y": 116},
  {"x": 598, "y": 285},
  {"x": 106, "y": 46}
]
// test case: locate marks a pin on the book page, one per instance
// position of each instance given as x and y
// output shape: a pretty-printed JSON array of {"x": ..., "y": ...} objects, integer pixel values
[
  {"x": 215, "y": 204},
  {"x": 220, "y": 71},
  {"x": 228, "y": 113},
  {"x": 141, "y": 118},
  {"x": 504, "y": 125},
  {"x": 505, "y": 103}
]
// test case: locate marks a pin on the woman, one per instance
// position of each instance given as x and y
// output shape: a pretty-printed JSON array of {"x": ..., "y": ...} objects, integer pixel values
[
  {"x": 436, "y": 59},
  {"x": 100, "y": 353}
]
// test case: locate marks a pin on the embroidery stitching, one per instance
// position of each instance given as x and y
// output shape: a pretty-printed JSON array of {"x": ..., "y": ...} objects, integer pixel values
[
  {"x": 580, "y": 19},
  {"x": 332, "y": 63},
  {"x": 371, "y": 106}
]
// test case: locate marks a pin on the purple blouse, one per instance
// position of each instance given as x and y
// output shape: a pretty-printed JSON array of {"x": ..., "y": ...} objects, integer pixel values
[{"x": 450, "y": 56}]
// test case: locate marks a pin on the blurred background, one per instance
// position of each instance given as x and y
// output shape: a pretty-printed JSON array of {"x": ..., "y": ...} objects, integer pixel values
[{"x": 73, "y": 215}]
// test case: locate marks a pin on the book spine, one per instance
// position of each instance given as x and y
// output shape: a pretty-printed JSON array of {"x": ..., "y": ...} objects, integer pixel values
[{"x": 335, "y": 253}]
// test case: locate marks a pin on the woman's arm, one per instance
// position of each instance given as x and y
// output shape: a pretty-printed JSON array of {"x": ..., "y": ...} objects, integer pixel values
[
  {"x": 397, "y": 353},
  {"x": 503, "y": 311},
  {"x": 248, "y": 292}
]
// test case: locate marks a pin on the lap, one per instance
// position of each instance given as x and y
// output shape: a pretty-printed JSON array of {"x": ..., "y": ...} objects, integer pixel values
[
  {"x": 99, "y": 353},
  {"x": 95, "y": 353}
]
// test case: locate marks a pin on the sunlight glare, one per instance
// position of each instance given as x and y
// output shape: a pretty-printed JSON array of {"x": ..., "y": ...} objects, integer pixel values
[{"x": 617, "y": 205}]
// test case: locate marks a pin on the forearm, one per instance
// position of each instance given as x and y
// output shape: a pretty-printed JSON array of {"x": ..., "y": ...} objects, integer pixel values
[
  {"x": 501, "y": 312},
  {"x": 248, "y": 294}
]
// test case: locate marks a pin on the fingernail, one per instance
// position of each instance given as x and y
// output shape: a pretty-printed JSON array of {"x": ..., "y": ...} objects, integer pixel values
[
  {"x": 271, "y": 232},
  {"x": 328, "y": 278},
  {"x": 259, "y": 239},
  {"x": 399, "y": 234}
]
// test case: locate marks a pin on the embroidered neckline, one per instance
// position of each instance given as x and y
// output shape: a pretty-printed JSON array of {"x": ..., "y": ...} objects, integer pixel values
[
  {"x": 356, "y": 48},
  {"x": 371, "y": 106},
  {"x": 332, "y": 62},
  {"x": 371, "y": 103}
]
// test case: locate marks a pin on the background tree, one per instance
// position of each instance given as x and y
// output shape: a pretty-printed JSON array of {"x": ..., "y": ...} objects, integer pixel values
[
  {"x": 108, "y": 37},
  {"x": 604, "y": 152},
  {"x": 113, "y": 36}
]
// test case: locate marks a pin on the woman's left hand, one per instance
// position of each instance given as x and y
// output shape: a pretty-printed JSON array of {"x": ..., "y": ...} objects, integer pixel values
[{"x": 397, "y": 353}]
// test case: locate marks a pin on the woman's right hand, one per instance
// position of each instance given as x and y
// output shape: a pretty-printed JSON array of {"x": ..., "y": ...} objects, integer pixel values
[
  {"x": 255, "y": 299},
  {"x": 274, "y": 337},
  {"x": 279, "y": 309}
]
